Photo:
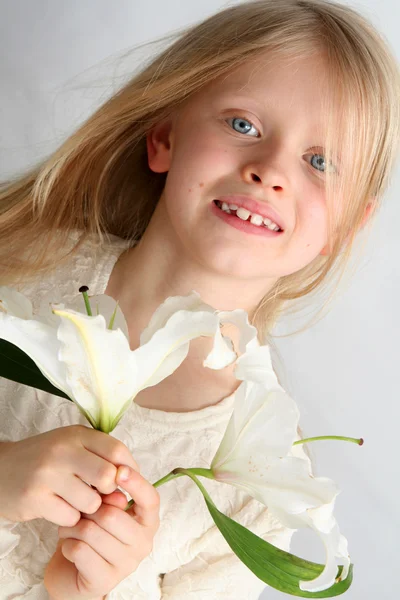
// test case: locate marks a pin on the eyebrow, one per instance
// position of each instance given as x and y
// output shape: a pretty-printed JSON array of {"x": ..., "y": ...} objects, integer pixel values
[{"x": 228, "y": 94}]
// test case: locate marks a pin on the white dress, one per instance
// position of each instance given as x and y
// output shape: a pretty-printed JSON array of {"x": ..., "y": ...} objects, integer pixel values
[{"x": 190, "y": 559}]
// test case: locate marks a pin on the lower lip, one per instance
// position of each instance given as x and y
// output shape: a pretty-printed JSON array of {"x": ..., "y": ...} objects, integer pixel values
[{"x": 245, "y": 226}]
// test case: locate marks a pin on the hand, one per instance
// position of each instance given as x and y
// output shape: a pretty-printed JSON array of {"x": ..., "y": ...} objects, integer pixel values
[
  {"x": 103, "y": 548},
  {"x": 46, "y": 475}
]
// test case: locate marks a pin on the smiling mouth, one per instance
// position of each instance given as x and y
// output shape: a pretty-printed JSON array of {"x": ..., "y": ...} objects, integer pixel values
[{"x": 218, "y": 203}]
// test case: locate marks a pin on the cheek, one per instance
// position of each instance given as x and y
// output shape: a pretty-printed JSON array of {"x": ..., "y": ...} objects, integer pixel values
[
  {"x": 314, "y": 222},
  {"x": 199, "y": 156}
]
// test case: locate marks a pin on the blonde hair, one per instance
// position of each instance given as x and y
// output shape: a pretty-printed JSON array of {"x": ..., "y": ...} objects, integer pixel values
[{"x": 98, "y": 181}]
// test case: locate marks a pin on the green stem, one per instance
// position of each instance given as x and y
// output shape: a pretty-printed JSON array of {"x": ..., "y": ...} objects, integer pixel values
[
  {"x": 358, "y": 441},
  {"x": 196, "y": 471},
  {"x": 192, "y": 474},
  {"x": 179, "y": 472}
]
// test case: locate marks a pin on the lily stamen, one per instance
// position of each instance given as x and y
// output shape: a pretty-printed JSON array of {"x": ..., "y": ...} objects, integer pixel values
[
  {"x": 84, "y": 289},
  {"x": 358, "y": 441},
  {"x": 111, "y": 323}
]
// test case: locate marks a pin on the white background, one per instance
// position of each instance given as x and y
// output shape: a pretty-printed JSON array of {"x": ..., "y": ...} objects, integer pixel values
[{"x": 344, "y": 371}]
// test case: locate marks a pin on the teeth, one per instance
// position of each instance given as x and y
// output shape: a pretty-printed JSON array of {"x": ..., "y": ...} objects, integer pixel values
[
  {"x": 244, "y": 214},
  {"x": 256, "y": 220}
]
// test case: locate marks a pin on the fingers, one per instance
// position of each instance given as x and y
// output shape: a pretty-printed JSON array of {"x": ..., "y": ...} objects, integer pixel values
[
  {"x": 78, "y": 494},
  {"x": 91, "y": 567},
  {"x": 145, "y": 495},
  {"x": 60, "y": 512},
  {"x": 117, "y": 523},
  {"x": 101, "y": 541},
  {"x": 107, "y": 447},
  {"x": 95, "y": 470},
  {"x": 117, "y": 499},
  {"x": 110, "y": 542}
]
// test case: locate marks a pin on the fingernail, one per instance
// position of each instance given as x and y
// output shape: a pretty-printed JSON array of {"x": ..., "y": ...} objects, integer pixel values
[{"x": 124, "y": 473}]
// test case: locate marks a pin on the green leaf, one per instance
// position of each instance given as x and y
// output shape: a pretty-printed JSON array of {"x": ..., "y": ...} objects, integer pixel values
[
  {"x": 275, "y": 567},
  {"x": 19, "y": 367}
]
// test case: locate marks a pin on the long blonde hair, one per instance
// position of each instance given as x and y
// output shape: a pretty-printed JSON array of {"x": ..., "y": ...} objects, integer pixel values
[{"x": 98, "y": 181}]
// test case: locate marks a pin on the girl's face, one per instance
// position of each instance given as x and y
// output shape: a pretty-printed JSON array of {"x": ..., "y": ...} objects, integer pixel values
[{"x": 255, "y": 132}]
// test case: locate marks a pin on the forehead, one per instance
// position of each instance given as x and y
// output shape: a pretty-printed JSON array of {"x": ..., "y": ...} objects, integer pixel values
[
  {"x": 292, "y": 87},
  {"x": 270, "y": 79}
]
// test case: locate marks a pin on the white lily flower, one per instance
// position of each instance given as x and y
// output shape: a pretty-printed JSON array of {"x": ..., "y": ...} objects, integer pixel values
[
  {"x": 254, "y": 456},
  {"x": 194, "y": 303},
  {"x": 94, "y": 365},
  {"x": 14, "y": 303}
]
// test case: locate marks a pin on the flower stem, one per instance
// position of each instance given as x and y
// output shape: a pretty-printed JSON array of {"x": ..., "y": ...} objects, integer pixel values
[
  {"x": 358, "y": 441},
  {"x": 179, "y": 472},
  {"x": 196, "y": 471},
  {"x": 192, "y": 474}
]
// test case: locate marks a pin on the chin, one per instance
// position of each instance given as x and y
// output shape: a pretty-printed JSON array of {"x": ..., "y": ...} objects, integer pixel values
[{"x": 230, "y": 264}]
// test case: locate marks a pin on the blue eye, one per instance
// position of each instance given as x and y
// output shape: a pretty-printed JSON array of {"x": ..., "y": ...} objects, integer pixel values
[
  {"x": 244, "y": 126},
  {"x": 321, "y": 162}
]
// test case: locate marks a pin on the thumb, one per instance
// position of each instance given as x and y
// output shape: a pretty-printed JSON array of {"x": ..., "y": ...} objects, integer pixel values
[{"x": 145, "y": 497}]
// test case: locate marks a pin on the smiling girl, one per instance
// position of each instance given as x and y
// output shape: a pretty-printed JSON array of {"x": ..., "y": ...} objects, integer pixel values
[{"x": 240, "y": 163}]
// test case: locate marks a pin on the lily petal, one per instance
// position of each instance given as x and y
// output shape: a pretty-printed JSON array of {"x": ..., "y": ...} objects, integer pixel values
[
  {"x": 263, "y": 422},
  {"x": 297, "y": 500},
  {"x": 284, "y": 484},
  {"x": 248, "y": 336},
  {"x": 253, "y": 456},
  {"x": 321, "y": 520},
  {"x": 14, "y": 303},
  {"x": 39, "y": 341},
  {"x": 101, "y": 368},
  {"x": 217, "y": 358},
  {"x": 47, "y": 316},
  {"x": 223, "y": 352},
  {"x": 256, "y": 365},
  {"x": 168, "y": 346},
  {"x": 328, "y": 576},
  {"x": 254, "y": 452},
  {"x": 248, "y": 333},
  {"x": 103, "y": 305},
  {"x": 192, "y": 302}
]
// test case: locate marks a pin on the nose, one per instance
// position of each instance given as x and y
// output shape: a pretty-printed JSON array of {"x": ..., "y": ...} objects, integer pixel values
[
  {"x": 267, "y": 171},
  {"x": 276, "y": 188}
]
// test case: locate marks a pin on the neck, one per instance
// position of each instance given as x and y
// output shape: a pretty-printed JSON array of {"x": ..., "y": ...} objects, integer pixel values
[
  {"x": 159, "y": 266},
  {"x": 144, "y": 277}
]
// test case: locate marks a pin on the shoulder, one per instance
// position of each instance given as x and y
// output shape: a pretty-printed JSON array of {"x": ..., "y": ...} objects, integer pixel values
[{"x": 88, "y": 263}]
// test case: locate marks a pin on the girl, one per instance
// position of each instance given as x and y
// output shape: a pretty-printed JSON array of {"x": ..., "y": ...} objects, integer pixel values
[{"x": 284, "y": 114}]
